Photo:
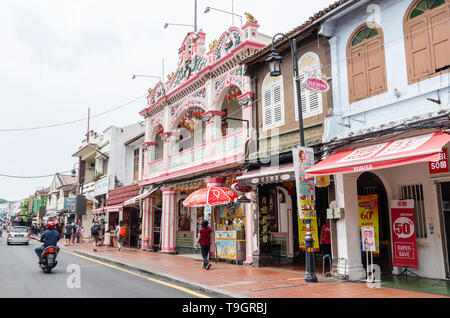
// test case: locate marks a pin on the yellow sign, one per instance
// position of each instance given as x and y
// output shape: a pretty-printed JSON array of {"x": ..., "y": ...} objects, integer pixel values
[
  {"x": 302, "y": 232},
  {"x": 368, "y": 215}
]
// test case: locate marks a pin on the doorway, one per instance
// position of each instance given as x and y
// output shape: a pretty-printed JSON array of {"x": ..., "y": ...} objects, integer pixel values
[
  {"x": 445, "y": 206},
  {"x": 370, "y": 184}
]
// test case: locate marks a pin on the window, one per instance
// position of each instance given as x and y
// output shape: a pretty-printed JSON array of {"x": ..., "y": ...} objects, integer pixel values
[
  {"x": 426, "y": 29},
  {"x": 136, "y": 165},
  {"x": 415, "y": 192},
  {"x": 308, "y": 65},
  {"x": 366, "y": 64},
  {"x": 273, "y": 102}
]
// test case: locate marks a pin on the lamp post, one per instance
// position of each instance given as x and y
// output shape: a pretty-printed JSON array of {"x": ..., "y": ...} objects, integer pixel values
[
  {"x": 208, "y": 9},
  {"x": 274, "y": 61}
]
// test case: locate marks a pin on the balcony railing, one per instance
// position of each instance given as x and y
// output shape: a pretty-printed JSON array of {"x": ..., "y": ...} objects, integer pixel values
[{"x": 226, "y": 150}]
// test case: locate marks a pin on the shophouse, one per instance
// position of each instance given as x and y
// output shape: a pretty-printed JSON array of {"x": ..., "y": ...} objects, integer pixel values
[
  {"x": 276, "y": 116},
  {"x": 61, "y": 198},
  {"x": 386, "y": 139},
  {"x": 197, "y": 133},
  {"x": 120, "y": 168}
]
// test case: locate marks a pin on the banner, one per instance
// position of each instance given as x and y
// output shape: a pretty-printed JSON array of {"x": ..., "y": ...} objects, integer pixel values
[
  {"x": 302, "y": 231},
  {"x": 368, "y": 216},
  {"x": 403, "y": 234},
  {"x": 303, "y": 158}
]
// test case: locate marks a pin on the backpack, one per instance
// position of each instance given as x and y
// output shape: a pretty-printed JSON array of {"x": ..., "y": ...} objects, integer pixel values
[
  {"x": 94, "y": 230},
  {"x": 123, "y": 231}
]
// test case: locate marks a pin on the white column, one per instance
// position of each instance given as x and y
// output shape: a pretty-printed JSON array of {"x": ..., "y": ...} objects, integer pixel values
[
  {"x": 168, "y": 221},
  {"x": 147, "y": 223},
  {"x": 348, "y": 232}
]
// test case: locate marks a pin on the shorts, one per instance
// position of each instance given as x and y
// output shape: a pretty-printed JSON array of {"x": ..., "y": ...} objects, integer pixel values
[
  {"x": 95, "y": 238},
  {"x": 67, "y": 236}
]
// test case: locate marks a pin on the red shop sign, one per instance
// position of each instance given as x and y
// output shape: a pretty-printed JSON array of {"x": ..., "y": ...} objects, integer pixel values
[
  {"x": 441, "y": 165},
  {"x": 316, "y": 85},
  {"x": 404, "y": 234}
]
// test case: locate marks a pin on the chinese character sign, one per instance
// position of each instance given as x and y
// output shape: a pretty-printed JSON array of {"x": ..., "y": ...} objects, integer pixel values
[
  {"x": 403, "y": 234},
  {"x": 368, "y": 216}
]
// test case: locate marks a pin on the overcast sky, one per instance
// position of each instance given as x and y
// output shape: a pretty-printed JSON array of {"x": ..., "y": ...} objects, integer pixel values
[{"x": 57, "y": 58}]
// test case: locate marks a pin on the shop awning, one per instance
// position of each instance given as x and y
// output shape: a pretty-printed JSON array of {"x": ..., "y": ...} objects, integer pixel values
[
  {"x": 108, "y": 209},
  {"x": 383, "y": 155},
  {"x": 141, "y": 196}
]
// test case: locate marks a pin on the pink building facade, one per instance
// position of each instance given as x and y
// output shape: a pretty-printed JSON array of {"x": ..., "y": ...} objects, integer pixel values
[{"x": 197, "y": 129}]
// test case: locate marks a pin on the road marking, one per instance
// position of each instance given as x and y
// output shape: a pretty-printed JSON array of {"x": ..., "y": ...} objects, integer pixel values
[{"x": 140, "y": 275}]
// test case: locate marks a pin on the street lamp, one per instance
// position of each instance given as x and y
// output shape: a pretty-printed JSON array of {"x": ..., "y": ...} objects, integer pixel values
[
  {"x": 134, "y": 76},
  {"x": 274, "y": 62},
  {"x": 208, "y": 9},
  {"x": 167, "y": 25}
]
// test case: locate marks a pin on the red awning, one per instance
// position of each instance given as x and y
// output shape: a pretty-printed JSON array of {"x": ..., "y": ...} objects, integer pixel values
[{"x": 384, "y": 155}]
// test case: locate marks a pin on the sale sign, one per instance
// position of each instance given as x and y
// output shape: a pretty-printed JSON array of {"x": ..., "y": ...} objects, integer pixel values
[
  {"x": 368, "y": 215},
  {"x": 403, "y": 234},
  {"x": 368, "y": 238}
]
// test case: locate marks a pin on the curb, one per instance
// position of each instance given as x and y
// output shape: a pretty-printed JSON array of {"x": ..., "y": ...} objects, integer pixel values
[{"x": 202, "y": 287}]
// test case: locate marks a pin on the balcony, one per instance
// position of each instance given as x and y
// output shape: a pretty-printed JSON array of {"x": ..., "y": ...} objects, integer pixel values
[{"x": 223, "y": 151}]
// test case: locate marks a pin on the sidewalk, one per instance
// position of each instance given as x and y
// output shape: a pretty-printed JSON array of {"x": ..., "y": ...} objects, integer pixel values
[{"x": 229, "y": 280}]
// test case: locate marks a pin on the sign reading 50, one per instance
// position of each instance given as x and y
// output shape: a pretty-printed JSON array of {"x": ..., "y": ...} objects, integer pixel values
[{"x": 403, "y": 227}]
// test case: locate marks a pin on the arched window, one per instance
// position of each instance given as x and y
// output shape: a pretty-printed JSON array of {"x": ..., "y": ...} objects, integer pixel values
[
  {"x": 308, "y": 65},
  {"x": 366, "y": 63},
  {"x": 272, "y": 102},
  {"x": 427, "y": 29}
]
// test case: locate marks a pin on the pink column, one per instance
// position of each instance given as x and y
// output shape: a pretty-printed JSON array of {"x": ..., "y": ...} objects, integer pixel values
[
  {"x": 147, "y": 223},
  {"x": 168, "y": 221}
]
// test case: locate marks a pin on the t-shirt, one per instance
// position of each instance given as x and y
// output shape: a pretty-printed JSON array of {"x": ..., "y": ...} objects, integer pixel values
[
  {"x": 326, "y": 234},
  {"x": 50, "y": 237},
  {"x": 205, "y": 236},
  {"x": 95, "y": 230}
]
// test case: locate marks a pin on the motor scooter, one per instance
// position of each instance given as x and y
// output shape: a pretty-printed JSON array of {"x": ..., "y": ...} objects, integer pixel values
[{"x": 48, "y": 258}]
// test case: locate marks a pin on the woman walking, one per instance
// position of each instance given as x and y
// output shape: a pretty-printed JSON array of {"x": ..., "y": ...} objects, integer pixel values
[{"x": 204, "y": 239}]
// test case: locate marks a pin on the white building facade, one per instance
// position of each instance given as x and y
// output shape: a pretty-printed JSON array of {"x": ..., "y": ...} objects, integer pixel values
[{"x": 389, "y": 65}]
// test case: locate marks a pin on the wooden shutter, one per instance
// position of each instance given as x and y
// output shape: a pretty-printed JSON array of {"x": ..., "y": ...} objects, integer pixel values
[
  {"x": 267, "y": 111},
  {"x": 376, "y": 80},
  {"x": 277, "y": 104},
  {"x": 417, "y": 47},
  {"x": 438, "y": 20},
  {"x": 357, "y": 74}
]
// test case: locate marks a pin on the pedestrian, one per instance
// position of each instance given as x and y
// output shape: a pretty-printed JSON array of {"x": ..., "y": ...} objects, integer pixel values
[
  {"x": 204, "y": 239},
  {"x": 325, "y": 238},
  {"x": 68, "y": 234},
  {"x": 73, "y": 232},
  {"x": 95, "y": 233},
  {"x": 121, "y": 232}
]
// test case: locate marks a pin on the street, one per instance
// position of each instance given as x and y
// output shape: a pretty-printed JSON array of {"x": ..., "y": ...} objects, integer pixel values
[{"x": 20, "y": 276}]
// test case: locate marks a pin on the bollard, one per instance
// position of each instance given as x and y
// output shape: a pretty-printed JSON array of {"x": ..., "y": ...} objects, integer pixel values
[{"x": 309, "y": 243}]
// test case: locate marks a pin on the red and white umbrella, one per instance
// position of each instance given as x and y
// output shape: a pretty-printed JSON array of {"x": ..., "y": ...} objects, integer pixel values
[{"x": 212, "y": 196}]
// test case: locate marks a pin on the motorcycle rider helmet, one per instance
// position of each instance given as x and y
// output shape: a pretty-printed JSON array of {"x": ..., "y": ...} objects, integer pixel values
[{"x": 51, "y": 225}]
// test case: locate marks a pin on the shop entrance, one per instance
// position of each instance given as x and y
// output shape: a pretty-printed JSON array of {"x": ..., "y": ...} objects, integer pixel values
[
  {"x": 157, "y": 229},
  {"x": 370, "y": 184},
  {"x": 134, "y": 227},
  {"x": 445, "y": 204}
]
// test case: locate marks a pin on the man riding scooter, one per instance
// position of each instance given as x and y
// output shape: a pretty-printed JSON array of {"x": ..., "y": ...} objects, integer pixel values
[{"x": 50, "y": 238}]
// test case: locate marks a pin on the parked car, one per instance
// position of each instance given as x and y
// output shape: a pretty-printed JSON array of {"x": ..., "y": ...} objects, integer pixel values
[{"x": 18, "y": 234}]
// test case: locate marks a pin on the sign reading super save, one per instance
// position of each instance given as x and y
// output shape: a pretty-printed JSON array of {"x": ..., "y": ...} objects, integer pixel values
[{"x": 404, "y": 238}]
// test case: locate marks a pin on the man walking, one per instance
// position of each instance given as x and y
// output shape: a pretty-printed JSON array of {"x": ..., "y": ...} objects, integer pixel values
[
  {"x": 68, "y": 233},
  {"x": 120, "y": 233},
  {"x": 95, "y": 232},
  {"x": 205, "y": 243}
]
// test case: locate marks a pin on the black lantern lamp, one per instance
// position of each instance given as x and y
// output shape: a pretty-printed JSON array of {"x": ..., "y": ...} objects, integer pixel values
[{"x": 274, "y": 61}]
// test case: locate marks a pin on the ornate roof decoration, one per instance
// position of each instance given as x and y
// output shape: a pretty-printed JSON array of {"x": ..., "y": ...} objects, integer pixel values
[{"x": 250, "y": 18}]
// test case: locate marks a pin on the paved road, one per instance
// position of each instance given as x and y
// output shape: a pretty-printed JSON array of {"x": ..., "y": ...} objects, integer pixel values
[{"x": 76, "y": 276}]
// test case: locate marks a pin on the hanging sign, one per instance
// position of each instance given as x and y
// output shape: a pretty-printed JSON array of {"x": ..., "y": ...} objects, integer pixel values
[
  {"x": 441, "y": 165},
  {"x": 316, "y": 85},
  {"x": 303, "y": 159},
  {"x": 368, "y": 216},
  {"x": 403, "y": 234},
  {"x": 322, "y": 181}
]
